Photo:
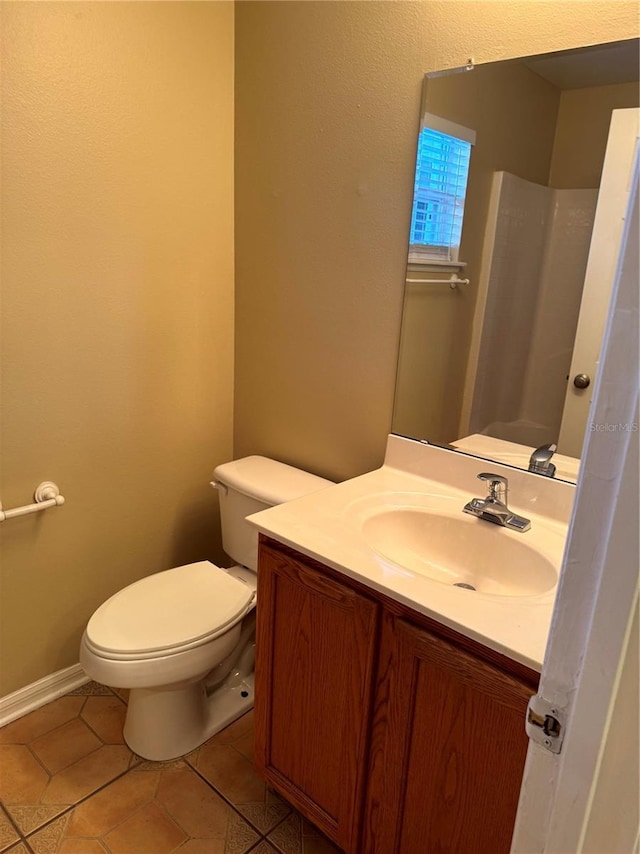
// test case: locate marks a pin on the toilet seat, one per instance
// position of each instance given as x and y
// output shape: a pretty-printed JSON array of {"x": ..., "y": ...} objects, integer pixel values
[{"x": 168, "y": 613}]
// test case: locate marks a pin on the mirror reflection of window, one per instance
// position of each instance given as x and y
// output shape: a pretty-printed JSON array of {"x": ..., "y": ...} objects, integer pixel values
[{"x": 442, "y": 171}]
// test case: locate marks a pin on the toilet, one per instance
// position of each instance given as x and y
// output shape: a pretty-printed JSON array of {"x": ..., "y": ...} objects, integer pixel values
[{"x": 182, "y": 640}]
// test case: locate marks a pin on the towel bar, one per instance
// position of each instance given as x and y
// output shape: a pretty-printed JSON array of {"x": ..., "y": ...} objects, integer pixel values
[
  {"x": 46, "y": 495},
  {"x": 452, "y": 282}
]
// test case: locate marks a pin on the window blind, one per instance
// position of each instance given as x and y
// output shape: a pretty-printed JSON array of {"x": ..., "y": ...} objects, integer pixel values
[{"x": 442, "y": 170}]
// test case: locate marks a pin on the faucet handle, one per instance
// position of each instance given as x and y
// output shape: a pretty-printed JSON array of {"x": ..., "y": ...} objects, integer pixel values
[
  {"x": 498, "y": 486},
  {"x": 540, "y": 460},
  {"x": 489, "y": 475},
  {"x": 544, "y": 452}
]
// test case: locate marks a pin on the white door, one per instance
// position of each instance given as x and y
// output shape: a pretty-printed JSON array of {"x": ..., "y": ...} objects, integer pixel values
[
  {"x": 585, "y": 799},
  {"x": 603, "y": 256}
]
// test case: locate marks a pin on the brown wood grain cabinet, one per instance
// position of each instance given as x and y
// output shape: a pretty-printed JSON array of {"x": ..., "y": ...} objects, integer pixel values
[
  {"x": 390, "y": 732},
  {"x": 315, "y": 646},
  {"x": 448, "y": 748}
]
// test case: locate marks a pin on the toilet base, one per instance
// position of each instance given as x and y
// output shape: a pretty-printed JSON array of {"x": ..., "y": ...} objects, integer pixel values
[
  {"x": 229, "y": 703},
  {"x": 167, "y": 721},
  {"x": 166, "y": 724}
]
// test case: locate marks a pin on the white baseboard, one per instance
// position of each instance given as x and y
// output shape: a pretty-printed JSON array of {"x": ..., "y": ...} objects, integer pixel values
[{"x": 40, "y": 693}]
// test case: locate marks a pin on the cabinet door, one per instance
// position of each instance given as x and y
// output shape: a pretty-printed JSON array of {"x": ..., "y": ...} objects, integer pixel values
[
  {"x": 447, "y": 749},
  {"x": 315, "y": 646}
]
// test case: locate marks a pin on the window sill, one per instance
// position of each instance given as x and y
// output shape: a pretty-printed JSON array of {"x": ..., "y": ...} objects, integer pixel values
[{"x": 434, "y": 266}]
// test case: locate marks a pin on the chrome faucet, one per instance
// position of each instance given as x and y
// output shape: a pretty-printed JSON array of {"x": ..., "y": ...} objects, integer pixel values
[
  {"x": 540, "y": 461},
  {"x": 494, "y": 507}
]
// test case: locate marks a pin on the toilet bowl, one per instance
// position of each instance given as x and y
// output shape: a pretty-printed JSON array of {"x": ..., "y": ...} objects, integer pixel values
[{"x": 182, "y": 640}]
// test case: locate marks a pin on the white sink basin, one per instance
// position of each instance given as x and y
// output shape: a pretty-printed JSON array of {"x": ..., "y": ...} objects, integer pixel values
[
  {"x": 457, "y": 549},
  {"x": 401, "y": 530}
]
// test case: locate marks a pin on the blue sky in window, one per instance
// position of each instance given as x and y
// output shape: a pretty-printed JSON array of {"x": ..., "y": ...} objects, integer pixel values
[{"x": 442, "y": 170}]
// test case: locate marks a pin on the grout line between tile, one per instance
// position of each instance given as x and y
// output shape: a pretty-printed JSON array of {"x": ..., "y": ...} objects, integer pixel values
[
  {"x": 17, "y": 842},
  {"x": 115, "y": 694},
  {"x": 73, "y": 806},
  {"x": 9, "y": 817},
  {"x": 50, "y": 732},
  {"x": 24, "y": 838},
  {"x": 226, "y": 800},
  {"x": 91, "y": 729},
  {"x": 259, "y": 843}
]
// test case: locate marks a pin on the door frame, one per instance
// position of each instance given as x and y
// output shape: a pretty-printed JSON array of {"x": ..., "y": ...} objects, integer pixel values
[{"x": 598, "y": 589}]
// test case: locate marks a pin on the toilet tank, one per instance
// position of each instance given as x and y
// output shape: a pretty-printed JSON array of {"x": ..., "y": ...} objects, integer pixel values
[{"x": 249, "y": 485}]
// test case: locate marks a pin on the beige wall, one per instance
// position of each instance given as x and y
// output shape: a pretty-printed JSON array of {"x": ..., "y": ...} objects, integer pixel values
[
  {"x": 581, "y": 134},
  {"x": 327, "y": 110},
  {"x": 117, "y": 264},
  {"x": 117, "y": 335}
]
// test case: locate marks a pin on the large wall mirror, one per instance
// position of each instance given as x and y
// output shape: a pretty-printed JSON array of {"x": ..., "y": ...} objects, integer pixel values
[{"x": 508, "y": 183}]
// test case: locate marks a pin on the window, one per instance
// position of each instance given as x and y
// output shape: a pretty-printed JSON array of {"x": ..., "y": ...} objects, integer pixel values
[{"x": 442, "y": 169}]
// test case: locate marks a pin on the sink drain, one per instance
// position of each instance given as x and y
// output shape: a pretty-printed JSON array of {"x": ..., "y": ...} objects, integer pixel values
[{"x": 466, "y": 586}]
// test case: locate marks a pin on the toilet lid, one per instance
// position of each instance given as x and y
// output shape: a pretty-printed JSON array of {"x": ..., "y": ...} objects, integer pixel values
[{"x": 174, "y": 608}]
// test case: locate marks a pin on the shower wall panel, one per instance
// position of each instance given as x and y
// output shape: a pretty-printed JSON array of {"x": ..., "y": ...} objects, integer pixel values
[{"x": 537, "y": 271}]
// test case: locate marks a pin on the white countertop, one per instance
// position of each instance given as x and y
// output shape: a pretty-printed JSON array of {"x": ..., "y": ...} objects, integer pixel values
[{"x": 325, "y": 526}]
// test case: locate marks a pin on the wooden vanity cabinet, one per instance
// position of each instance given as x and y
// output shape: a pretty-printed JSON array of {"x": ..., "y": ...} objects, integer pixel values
[
  {"x": 447, "y": 748},
  {"x": 392, "y": 733},
  {"x": 315, "y": 647}
]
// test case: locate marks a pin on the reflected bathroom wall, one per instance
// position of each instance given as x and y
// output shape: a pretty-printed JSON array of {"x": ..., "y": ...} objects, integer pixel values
[{"x": 539, "y": 242}]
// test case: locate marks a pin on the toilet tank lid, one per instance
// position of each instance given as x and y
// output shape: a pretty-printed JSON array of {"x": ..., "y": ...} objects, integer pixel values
[{"x": 268, "y": 480}]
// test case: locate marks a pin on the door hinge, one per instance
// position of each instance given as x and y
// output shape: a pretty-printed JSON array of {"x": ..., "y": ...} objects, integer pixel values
[{"x": 545, "y": 723}]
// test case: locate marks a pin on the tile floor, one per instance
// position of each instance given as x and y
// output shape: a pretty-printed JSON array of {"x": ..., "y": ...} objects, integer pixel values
[{"x": 70, "y": 785}]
